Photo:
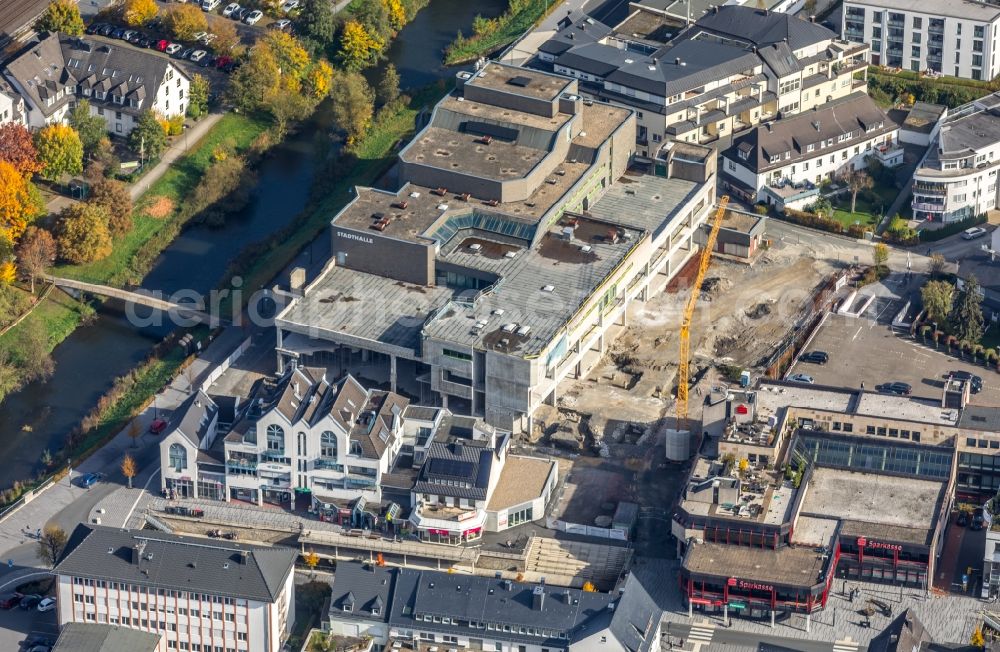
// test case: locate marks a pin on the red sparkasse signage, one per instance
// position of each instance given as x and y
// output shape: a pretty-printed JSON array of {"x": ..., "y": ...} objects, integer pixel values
[
  {"x": 749, "y": 586},
  {"x": 878, "y": 545}
]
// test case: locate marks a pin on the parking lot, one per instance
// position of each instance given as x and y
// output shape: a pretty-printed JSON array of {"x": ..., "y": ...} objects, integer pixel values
[
  {"x": 863, "y": 350},
  {"x": 16, "y": 625}
]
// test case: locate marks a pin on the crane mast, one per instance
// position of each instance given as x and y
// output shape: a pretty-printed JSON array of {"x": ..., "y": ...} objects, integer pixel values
[{"x": 683, "y": 368}]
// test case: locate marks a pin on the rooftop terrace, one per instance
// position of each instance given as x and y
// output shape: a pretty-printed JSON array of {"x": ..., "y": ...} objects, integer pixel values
[{"x": 787, "y": 566}]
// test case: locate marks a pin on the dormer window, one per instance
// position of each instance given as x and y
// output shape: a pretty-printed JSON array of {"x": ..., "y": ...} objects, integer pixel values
[
  {"x": 356, "y": 449},
  {"x": 348, "y": 607},
  {"x": 775, "y": 158},
  {"x": 376, "y": 611},
  {"x": 744, "y": 155}
]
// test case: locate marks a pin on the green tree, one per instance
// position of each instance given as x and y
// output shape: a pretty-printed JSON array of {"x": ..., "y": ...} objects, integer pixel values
[
  {"x": 59, "y": 151},
  {"x": 823, "y": 207},
  {"x": 388, "y": 85},
  {"x": 376, "y": 17},
  {"x": 61, "y": 16},
  {"x": 148, "y": 138},
  {"x": 938, "y": 297},
  {"x": 51, "y": 544},
  {"x": 359, "y": 45},
  {"x": 185, "y": 21},
  {"x": 856, "y": 181},
  {"x": 114, "y": 198},
  {"x": 35, "y": 253},
  {"x": 198, "y": 96},
  {"x": 352, "y": 104},
  {"x": 256, "y": 81},
  {"x": 317, "y": 22},
  {"x": 967, "y": 318},
  {"x": 82, "y": 233},
  {"x": 92, "y": 128},
  {"x": 880, "y": 255}
]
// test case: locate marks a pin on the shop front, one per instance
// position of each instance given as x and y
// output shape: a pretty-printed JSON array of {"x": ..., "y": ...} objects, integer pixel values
[{"x": 874, "y": 560}]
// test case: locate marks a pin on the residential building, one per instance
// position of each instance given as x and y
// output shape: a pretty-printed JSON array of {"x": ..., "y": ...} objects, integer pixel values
[
  {"x": 495, "y": 271},
  {"x": 120, "y": 83},
  {"x": 957, "y": 179},
  {"x": 18, "y": 19},
  {"x": 734, "y": 68},
  {"x": 329, "y": 441},
  {"x": 12, "y": 107},
  {"x": 194, "y": 593},
  {"x": 90, "y": 637},
  {"x": 948, "y": 38},
  {"x": 403, "y": 608},
  {"x": 810, "y": 148}
]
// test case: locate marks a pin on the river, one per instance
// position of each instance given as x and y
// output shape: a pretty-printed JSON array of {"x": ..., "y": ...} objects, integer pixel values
[{"x": 88, "y": 361}]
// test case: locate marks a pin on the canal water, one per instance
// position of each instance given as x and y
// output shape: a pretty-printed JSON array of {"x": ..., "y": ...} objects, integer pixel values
[{"x": 40, "y": 416}]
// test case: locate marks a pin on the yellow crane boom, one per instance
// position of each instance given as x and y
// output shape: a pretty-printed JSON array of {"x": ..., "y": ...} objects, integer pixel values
[{"x": 683, "y": 370}]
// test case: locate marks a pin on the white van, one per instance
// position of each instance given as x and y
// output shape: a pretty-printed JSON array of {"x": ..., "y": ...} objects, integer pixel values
[{"x": 210, "y": 5}]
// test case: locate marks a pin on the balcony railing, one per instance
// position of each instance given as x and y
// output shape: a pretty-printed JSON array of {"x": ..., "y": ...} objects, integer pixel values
[
  {"x": 935, "y": 208},
  {"x": 930, "y": 188}
]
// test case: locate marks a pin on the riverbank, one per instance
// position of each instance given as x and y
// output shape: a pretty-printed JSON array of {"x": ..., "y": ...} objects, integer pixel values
[{"x": 493, "y": 34}]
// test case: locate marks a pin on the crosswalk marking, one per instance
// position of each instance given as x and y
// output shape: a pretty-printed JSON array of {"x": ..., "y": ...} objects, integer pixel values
[
  {"x": 702, "y": 632},
  {"x": 846, "y": 645}
]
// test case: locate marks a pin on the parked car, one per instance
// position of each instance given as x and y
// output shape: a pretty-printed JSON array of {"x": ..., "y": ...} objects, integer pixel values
[
  {"x": 106, "y": 30},
  {"x": 963, "y": 518},
  {"x": 241, "y": 13},
  {"x": 48, "y": 604},
  {"x": 975, "y": 382},
  {"x": 973, "y": 232},
  {"x": 10, "y": 600},
  {"x": 195, "y": 56},
  {"x": 93, "y": 28},
  {"x": 207, "y": 62},
  {"x": 162, "y": 45},
  {"x": 978, "y": 520},
  {"x": 38, "y": 639},
  {"x": 90, "y": 480},
  {"x": 199, "y": 35},
  {"x": 801, "y": 378},
  {"x": 136, "y": 37},
  {"x": 146, "y": 42},
  {"x": 207, "y": 38},
  {"x": 222, "y": 61},
  {"x": 816, "y": 357},
  {"x": 230, "y": 8},
  {"x": 128, "y": 34},
  {"x": 254, "y": 17},
  {"x": 209, "y": 5},
  {"x": 289, "y": 5},
  {"x": 185, "y": 53},
  {"x": 30, "y": 601},
  {"x": 116, "y": 32},
  {"x": 281, "y": 25},
  {"x": 173, "y": 49},
  {"x": 895, "y": 387}
]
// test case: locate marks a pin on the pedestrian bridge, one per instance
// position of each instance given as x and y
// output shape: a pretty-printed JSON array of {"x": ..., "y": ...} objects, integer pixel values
[{"x": 138, "y": 297}]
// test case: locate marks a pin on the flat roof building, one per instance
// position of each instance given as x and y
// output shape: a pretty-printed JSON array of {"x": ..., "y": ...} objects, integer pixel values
[{"x": 515, "y": 241}]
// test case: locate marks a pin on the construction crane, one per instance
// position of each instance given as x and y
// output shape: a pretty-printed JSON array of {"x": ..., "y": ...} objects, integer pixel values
[{"x": 683, "y": 369}]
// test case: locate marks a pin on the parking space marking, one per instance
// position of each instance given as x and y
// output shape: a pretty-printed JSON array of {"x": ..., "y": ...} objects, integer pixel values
[{"x": 857, "y": 333}]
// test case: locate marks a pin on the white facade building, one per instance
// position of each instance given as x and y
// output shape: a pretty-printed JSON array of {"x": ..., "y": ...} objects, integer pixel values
[
  {"x": 121, "y": 83},
  {"x": 958, "y": 177},
  {"x": 951, "y": 38},
  {"x": 195, "y": 593},
  {"x": 810, "y": 148}
]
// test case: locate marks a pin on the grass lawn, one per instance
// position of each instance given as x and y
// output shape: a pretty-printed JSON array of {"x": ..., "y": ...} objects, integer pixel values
[
  {"x": 58, "y": 315},
  {"x": 473, "y": 47},
  {"x": 867, "y": 210},
  {"x": 235, "y": 130}
]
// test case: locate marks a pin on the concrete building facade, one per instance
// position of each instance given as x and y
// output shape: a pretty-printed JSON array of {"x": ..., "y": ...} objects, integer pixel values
[
  {"x": 483, "y": 303},
  {"x": 189, "y": 591},
  {"x": 957, "y": 179},
  {"x": 950, "y": 38}
]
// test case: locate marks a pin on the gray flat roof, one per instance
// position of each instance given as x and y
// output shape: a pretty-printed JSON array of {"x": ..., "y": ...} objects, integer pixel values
[
  {"x": 870, "y": 498},
  {"x": 520, "y": 81},
  {"x": 788, "y": 566},
  {"x": 94, "y": 637},
  {"x": 923, "y": 116},
  {"x": 366, "y": 306},
  {"x": 649, "y": 202},
  {"x": 964, "y": 9}
]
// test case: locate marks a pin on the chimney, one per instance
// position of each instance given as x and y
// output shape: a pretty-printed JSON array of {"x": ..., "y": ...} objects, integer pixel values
[
  {"x": 457, "y": 448},
  {"x": 816, "y": 124},
  {"x": 244, "y": 557},
  {"x": 137, "y": 552},
  {"x": 538, "y": 598}
]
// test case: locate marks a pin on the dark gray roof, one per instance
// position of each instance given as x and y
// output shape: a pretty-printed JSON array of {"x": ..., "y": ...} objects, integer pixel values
[
  {"x": 576, "y": 29},
  {"x": 852, "y": 114},
  {"x": 193, "y": 418},
  {"x": 362, "y": 586},
  {"x": 762, "y": 27},
  {"x": 593, "y": 58},
  {"x": 467, "y": 598},
  {"x": 421, "y": 412},
  {"x": 170, "y": 561},
  {"x": 642, "y": 604},
  {"x": 682, "y": 66},
  {"x": 59, "y": 61},
  {"x": 88, "y": 637},
  {"x": 466, "y": 466},
  {"x": 976, "y": 417}
]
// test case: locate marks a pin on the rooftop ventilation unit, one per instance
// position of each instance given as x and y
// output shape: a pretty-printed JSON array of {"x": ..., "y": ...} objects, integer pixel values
[
  {"x": 586, "y": 249},
  {"x": 548, "y": 288},
  {"x": 475, "y": 247},
  {"x": 509, "y": 328},
  {"x": 509, "y": 254},
  {"x": 498, "y": 312},
  {"x": 415, "y": 194},
  {"x": 442, "y": 207},
  {"x": 522, "y": 331}
]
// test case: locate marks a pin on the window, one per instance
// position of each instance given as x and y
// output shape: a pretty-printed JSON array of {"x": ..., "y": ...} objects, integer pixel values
[
  {"x": 275, "y": 438},
  {"x": 458, "y": 355},
  {"x": 178, "y": 457},
  {"x": 836, "y": 425},
  {"x": 356, "y": 449},
  {"x": 328, "y": 445},
  {"x": 870, "y": 430}
]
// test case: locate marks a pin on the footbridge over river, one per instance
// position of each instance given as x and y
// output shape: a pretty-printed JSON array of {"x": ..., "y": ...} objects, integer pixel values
[{"x": 138, "y": 297}]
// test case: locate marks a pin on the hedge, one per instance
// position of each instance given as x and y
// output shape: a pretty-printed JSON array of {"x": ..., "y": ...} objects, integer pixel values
[{"x": 932, "y": 235}]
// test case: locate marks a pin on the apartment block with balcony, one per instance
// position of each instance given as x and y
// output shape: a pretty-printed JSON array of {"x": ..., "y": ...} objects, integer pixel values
[
  {"x": 938, "y": 36},
  {"x": 302, "y": 435},
  {"x": 957, "y": 178},
  {"x": 734, "y": 68},
  {"x": 802, "y": 151},
  {"x": 192, "y": 593}
]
